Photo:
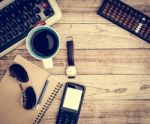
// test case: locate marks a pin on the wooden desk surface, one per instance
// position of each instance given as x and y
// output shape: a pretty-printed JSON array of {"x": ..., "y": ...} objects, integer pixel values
[{"x": 113, "y": 64}]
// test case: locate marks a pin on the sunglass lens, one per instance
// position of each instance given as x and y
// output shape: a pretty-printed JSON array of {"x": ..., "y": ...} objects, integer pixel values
[
  {"x": 29, "y": 98},
  {"x": 18, "y": 72}
]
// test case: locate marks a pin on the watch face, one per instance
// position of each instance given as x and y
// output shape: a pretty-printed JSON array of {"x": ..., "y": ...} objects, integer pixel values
[{"x": 71, "y": 71}]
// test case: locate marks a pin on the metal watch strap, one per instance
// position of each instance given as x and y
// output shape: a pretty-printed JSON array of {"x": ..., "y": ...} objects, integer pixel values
[{"x": 70, "y": 53}]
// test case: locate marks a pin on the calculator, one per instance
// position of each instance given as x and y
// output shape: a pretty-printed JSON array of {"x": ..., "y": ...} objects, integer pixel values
[
  {"x": 71, "y": 104},
  {"x": 126, "y": 17}
]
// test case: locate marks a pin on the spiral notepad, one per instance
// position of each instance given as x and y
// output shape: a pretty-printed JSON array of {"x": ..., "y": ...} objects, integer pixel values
[
  {"x": 11, "y": 110},
  {"x": 47, "y": 104}
]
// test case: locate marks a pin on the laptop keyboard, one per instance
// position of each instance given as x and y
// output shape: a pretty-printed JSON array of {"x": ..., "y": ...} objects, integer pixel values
[{"x": 19, "y": 17}]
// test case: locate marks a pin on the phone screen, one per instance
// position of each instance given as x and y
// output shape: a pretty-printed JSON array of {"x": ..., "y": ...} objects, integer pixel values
[{"x": 72, "y": 98}]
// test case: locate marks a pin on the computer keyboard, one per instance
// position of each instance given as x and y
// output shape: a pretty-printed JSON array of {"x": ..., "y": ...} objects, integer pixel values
[{"x": 20, "y": 16}]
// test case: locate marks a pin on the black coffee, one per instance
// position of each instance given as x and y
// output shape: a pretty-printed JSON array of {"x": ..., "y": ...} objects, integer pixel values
[{"x": 44, "y": 43}]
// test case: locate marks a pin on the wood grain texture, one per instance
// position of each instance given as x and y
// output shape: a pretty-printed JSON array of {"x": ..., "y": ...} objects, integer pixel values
[
  {"x": 102, "y": 61},
  {"x": 97, "y": 36},
  {"x": 110, "y": 98},
  {"x": 113, "y": 64}
]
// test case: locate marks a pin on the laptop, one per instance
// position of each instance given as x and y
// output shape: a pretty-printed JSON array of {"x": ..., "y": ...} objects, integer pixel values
[{"x": 18, "y": 17}]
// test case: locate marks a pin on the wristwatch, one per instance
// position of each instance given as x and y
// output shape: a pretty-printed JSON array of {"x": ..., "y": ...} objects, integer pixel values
[{"x": 71, "y": 70}]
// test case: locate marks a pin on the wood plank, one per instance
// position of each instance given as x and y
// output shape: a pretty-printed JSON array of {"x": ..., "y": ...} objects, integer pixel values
[
  {"x": 111, "y": 61},
  {"x": 85, "y": 11},
  {"x": 111, "y": 87},
  {"x": 107, "y": 111},
  {"x": 97, "y": 36}
]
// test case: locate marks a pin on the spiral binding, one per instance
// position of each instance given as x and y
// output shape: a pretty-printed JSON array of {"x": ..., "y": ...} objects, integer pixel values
[{"x": 47, "y": 104}]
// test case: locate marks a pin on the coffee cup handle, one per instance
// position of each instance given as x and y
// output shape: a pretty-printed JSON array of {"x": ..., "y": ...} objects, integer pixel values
[{"x": 48, "y": 63}]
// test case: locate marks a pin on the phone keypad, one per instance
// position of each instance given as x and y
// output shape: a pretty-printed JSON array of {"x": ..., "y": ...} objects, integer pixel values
[{"x": 67, "y": 118}]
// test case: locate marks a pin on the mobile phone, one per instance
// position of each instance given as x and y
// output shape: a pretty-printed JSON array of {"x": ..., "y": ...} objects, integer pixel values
[{"x": 71, "y": 104}]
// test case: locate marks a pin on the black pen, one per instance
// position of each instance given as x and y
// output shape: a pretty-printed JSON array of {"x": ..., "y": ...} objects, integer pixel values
[{"x": 42, "y": 94}]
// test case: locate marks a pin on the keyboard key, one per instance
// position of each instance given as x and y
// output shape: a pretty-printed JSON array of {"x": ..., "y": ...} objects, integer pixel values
[
  {"x": 32, "y": 21},
  {"x": 20, "y": 28},
  {"x": 2, "y": 32},
  {"x": 31, "y": 13},
  {"x": 37, "y": 1},
  {"x": 7, "y": 28},
  {"x": 19, "y": 11},
  {"x": 1, "y": 15},
  {"x": 45, "y": 5},
  {"x": 30, "y": 5},
  {"x": 13, "y": 24},
  {"x": 47, "y": 12},
  {"x": 37, "y": 10},
  {"x": 6, "y": 11},
  {"x": 25, "y": 8},
  {"x": 19, "y": 20},
  {"x": 25, "y": 17},
  {"x": 12, "y": 6},
  {"x": 37, "y": 18},
  {"x": 14, "y": 32},
  {"x": 9, "y": 35},
  {"x": 8, "y": 19},
  {"x": 3, "y": 39},
  {"x": 26, "y": 25},
  {"x": 2, "y": 23},
  {"x": 13, "y": 15}
]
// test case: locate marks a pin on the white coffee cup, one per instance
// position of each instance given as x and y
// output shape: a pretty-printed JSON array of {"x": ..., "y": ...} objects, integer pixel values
[{"x": 43, "y": 43}]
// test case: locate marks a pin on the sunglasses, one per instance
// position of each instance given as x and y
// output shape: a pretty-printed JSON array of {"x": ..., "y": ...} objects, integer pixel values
[{"x": 28, "y": 95}]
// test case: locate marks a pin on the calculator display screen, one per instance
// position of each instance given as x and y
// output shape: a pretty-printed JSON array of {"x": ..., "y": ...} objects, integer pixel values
[{"x": 72, "y": 98}]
